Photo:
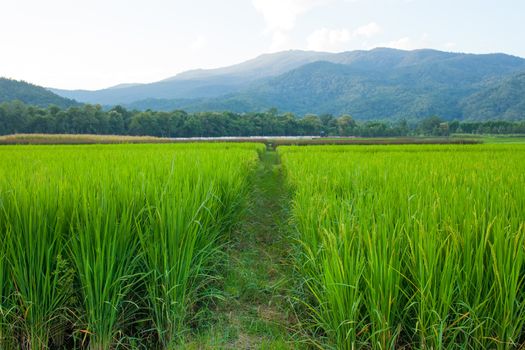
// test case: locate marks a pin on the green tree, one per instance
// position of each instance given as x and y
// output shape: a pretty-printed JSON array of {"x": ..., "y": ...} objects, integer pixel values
[
  {"x": 3, "y": 129},
  {"x": 144, "y": 123},
  {"x": 430, "y": 125},
  {"x": 310, "y": 125},
  {"x": 115, "y": 123},
  {"x": 346, "y": 125}
]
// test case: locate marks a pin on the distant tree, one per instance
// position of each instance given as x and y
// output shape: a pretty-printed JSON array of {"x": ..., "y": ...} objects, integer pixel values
[
  {"x": 3, "y": 129},
  {"x": 400, "y": 128},
  {"x": 272, "y": 111},
  {"x": 15, "y": 117},
  {"x": 430, "y": 125},
  {"x": 126, "y": 115},
  {"x": 289, "y": 124},
  {"x": 310, "y": 125},
  {"x": 41, "y": 123},
  {"x": 329, "y": 124},
  {"x": 444, "y": 129},
  {"x": 454, "y": 126},
  {"x": 193, "y": 127},
  {"x": 18, "y": 117},
  {"x": 346, "y": 125},
  {"x": 116, "y": 124},
  {"x": 374, "y": 129},
  {"x": 176, "y": 123},
  {"x": 144, "y": 123}
]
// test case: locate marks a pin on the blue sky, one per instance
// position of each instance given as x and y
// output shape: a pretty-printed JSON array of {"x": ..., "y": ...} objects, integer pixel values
[{"x": 95, "y": 44}]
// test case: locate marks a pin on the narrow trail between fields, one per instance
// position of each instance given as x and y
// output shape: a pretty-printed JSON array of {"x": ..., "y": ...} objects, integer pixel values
[{"x": 255, "y": 312}]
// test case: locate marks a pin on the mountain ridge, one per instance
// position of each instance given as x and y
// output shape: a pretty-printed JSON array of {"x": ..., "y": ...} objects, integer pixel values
[
  {"x": 25, "y": 92},
  {"x": 394, "y": 87},
  {"x": 369, "y": 84}
]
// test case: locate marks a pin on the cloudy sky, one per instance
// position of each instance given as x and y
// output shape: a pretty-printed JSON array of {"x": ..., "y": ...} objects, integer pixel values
[{"x": 99, "y": 43}]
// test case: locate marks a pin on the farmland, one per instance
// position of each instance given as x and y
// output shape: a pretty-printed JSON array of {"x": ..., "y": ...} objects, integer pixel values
[
  {"x": 104, "y": 245},
  {"x": 229, "y": 245},
  {"x": 410, "y": 245}
]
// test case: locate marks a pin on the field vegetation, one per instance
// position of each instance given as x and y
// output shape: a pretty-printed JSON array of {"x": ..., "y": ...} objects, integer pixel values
[
  {"x": 418, "y": 246},
  {"x": 72, "y": 139},
  {"x": 114, "y": 246},
  {"x": 229, "y": 245}
]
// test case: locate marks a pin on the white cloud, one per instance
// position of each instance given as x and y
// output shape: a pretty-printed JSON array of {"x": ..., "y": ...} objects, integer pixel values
[
  {"x": 281, "y": 15},
  {"x": 328, "y": 39},
  {"x": 199, "y": 43},
  {"x": 325, "y": 39},
  {"x": 280, "y": 41},
  {"x": 407, "y": 43},
  {"x": 403, "y": 44},
  {"x": 368, "y": 30},
  {"x": 450, "y": 46}
]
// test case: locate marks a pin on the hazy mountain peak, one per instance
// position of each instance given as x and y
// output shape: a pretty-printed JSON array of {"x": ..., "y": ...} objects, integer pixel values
[
  {"x": 269, "y": 64},
  {"x": 378, "y": 83},
  {"x": 124, "y": 85}
]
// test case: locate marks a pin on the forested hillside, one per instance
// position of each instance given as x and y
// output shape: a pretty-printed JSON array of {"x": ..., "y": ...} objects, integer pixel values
[
  {"x": 499, "y": 99},
  {"x": 370, "y": 85},
  {"x": 11, "y": 90}
]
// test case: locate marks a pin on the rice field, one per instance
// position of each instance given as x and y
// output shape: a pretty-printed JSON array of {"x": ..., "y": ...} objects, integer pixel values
[
  {"x": 113, "y": 246},
  {"x": 129, "y": 246},
  {"x": 409, "y": 246}
]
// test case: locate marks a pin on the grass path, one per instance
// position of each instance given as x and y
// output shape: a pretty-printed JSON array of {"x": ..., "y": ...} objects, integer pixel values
[{"x": 254, "y": 313}]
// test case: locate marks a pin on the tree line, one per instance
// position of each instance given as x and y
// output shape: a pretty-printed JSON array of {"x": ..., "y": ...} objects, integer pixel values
[{"x": 16, "y": 117}]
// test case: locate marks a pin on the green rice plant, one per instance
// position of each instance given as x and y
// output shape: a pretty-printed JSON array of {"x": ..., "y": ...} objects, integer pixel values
[
  {"x": 432, "y": 271},
  {"x": 106, "y": 243},
  {"x": 508, "y": 314},
  {"x": 6, "y": 307},
  {"x": 382, "y": 278},
  {"x": 104, "y": 248},
  {"x": 173, "y": 261},
  {"x": 186, "y": 219},
  {"x": 438, "y": 234},
  {"x": 35, "y": 247},
  {"x": 337, "y": 290}
]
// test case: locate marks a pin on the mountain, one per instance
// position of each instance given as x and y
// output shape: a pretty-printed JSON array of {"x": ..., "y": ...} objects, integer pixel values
[
  {"x": 11, "y": 90},
  {"x": 267, "y": 65},
  {"x": 199, "y": 83},
  {"x": 498, "y": 99},
  {"x": 411, "y": 87},
  {"x": 376, "y": 84}
]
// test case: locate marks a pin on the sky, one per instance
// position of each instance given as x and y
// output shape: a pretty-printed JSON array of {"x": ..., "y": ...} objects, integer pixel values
[{"x": 79, "y": 44}]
